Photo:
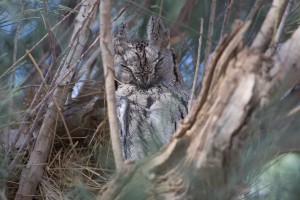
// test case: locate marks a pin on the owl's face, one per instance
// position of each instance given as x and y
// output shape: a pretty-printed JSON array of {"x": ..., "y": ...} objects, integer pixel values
[
  {"x": 139, "y": 65},
  {"x": 145, "y": 64}
]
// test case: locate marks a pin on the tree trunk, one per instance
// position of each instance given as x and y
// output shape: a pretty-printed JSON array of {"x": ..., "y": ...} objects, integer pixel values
[
  {"x": 34, "y": 170},
  {"x": 206, "y": 158}
]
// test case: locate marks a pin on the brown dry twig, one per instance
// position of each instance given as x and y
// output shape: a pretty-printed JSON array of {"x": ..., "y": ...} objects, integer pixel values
[
  {"x": 226, "y": 16},
  {"x": 34, "y": 170},
  {"x": 269, "y": 26},
  {"x": 108, "y": 65},
  {"x": 197, "y": 66},
  {"x": 55, "y": 102},
  {"x": 210, "y": 31},
  {"x": 281, "y": 26},
  {"x": 38, "y": 43}
]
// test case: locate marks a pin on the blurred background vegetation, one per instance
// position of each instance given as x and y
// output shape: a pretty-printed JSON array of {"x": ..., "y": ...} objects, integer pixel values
[{"x": 22, "y": 27}]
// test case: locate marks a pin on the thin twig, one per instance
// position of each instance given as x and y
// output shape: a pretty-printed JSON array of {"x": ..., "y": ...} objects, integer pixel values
[
  {"x": 226, "y": 15},
  {"x": 38, "y": 43},
  {"x": 197, "y": 65},
  {"x": 52, "y": 39},
  {"x": 38, "y": 115},
  {"x": 32, "y": 111},
  {"x": 32, "y": 174},
  {"x": 108, "y": 65},
  {"x": 254, "y": 9},
  {"x": 13, "y": 80},
  {"x": 99, "y": 127},
  {"x": 281, "y": 25},
  {"x": 204, "y": 85},
  {"x": 210, "y": 31},
  {"x": 161, "y": 7},
  {"x": 15, "y": 51},
  {"x": 269, "y": 26},
  {"x": 39, "y": 108},
  {"x": 55, "y": 102},
  {"x": 121, "y": 12},
  {"x": 53, "y": 63}
]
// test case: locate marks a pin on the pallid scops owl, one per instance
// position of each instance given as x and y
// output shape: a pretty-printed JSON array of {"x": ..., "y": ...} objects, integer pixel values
[{"x": 151, "y": 98}]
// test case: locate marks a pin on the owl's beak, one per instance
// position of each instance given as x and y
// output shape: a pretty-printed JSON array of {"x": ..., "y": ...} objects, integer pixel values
[
  {"x": 145, "y": 83},
  {"x": 148, "y": 83}
]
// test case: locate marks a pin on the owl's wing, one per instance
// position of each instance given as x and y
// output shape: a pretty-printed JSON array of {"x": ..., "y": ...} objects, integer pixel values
[
  {"x": 165, "y": 114},
  {"x": 123, "y": 120}
]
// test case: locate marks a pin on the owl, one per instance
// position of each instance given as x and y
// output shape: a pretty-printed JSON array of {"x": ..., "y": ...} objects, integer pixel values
[{"x": 151, "y": 97}]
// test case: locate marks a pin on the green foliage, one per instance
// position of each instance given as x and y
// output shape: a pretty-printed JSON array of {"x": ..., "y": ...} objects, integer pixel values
[
  {"x": 79, "y": 192},
  {"x": 280, "y": 179}
]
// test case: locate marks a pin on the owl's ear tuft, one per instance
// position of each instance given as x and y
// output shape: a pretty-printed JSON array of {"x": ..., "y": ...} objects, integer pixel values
[
  {"x": 121, "y": 31},
  {"x": 120, "y": 40},
  {"x": 158, "y": 35}
]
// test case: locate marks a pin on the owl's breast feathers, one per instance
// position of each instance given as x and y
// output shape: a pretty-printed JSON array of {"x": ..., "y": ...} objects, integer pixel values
[{"x": 148, "y": 117}]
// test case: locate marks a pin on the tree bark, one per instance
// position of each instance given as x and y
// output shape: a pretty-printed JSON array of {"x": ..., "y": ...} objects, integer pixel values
[
  {"x": 206, "y": 158},
  {"x": 34, "y": 170}
]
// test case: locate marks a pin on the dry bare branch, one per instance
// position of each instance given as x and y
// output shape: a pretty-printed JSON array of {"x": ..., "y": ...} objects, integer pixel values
[
  {"x": 197, "y": 65},
  {"x": 226, "y": 15},
  {"x": 38, "y": 43},
  {"x": 55, "y": 102},
  {"x": 210, "y": 31},
  {"x": 13, "y": 80},
  {"x": 282, "y": 24},
  {"x": 269, "y": 26},
  {"x": 108, "y": 65},
  {"x": 254, "y": 9},
  {"x": 34, "y": 170},
  {"x": 161, "y": 7}
]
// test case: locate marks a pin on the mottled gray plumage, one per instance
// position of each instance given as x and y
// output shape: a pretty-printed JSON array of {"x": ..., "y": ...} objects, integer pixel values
[{"x": 151, "y": 98}]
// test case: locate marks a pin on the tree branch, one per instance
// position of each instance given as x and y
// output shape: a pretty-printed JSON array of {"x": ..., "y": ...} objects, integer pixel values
[
  {"x": 210, "y": 31},
  {"x": 197, "y": 65},
  {"x": 34, "y": 170},
  {"x": 108, "y": 65},
  {"x": 226, "y": 16},
  {"x": 281, "y": 25},
  {"x": 269, "y": 26}
]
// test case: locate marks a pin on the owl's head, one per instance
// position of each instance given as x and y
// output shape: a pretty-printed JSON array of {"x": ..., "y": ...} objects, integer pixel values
[{"x": 148, "y": 63}]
